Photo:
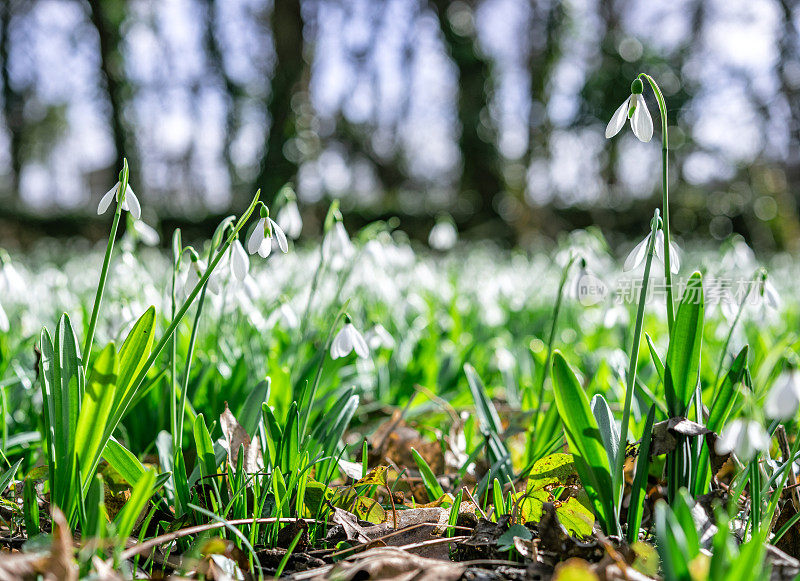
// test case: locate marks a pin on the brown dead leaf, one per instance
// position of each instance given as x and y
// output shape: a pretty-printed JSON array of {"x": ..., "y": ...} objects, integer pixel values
[
  {"x": 60, "y": 565},
  {"x": 235, "y": 437},
  {"x": 396, "y": 564},
  {"x": 352, "y": 530},
  {"x": 665, "y": 434},
  {"x": 394, "y": 439}
]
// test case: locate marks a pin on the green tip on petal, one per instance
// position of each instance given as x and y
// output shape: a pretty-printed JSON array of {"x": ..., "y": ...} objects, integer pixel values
[
  {"x": 637, "y": 87},
  {"x": 632, "y": 109}
]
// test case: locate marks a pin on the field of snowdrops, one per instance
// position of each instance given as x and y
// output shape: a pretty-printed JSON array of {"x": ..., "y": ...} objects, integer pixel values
[{"x": 256, "y": 406}]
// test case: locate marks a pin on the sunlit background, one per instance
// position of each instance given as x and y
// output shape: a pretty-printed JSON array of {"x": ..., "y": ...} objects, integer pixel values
[{"x": 490, "y": 112}]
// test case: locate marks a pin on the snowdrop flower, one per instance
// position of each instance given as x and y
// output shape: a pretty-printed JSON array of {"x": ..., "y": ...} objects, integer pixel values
[
  {"x": 130, "y": 203},
  {"x": 347, "y": 340},
  {"x": 784, "y": 397},
  {"x": 378, "y": 337},
  {"x": 289, "y": 218},
  {"x": 635, "y": 109},
  {"x": 766, "y": 294},
  {"x": 196, "y": 272},
  {"x": 337, "y": 247},
  {"x": 443, "y": 235},
  {"x": 636, "y": 257},
  {"x": 587, "y": 289},
  {"x": 745, "y": 438},
  {"x": 261, "y": 239},
  {"x": 240, "y": 262},
  {"x": 147, "y": 234}
]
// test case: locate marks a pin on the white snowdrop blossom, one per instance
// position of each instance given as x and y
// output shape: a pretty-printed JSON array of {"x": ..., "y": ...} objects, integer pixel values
[
  {"x": 196, "y": 272},
  {"x": 240, "y": 262},
  {"x": 347, "y": 340},
  {"x": 443, "y": 235},
  {"x": 261, "y": 239},
  {"x": 635, "y": 109},
  {"x": 783, "y": 399},
  {"x": 337, "y": 248},
  {"x": 636, "y": 256},
  {"x": 767, "y": 294},
  {"x": 290, "y": 220},
  {"x": 130, "y": 203},
  {"x": 146, "y": 233},
  {"x": 745, "y": 438},
  {"x": 378, "y": 337}
]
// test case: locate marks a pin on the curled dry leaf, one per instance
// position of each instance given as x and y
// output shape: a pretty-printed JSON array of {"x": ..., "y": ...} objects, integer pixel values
[
  {"x": 394, "y": 563},
  {"x": 235, "y": 436},
  {"x": 664, "y": 434}
]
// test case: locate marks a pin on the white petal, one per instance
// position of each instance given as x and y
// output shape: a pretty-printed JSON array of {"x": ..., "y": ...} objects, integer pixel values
[
  {"x": 105, "y": 201},
  {"x": 674, "y": 258},
  {"x": 359, "y": 345},
  {"x": 641, "y": 122},
  {"x": 636, "y": 255},
  {"x": 342, "y": 343},
  {"x": 240, "y": 263},
  {"x": 658, "y": 245},
  {"x": 256, "y": 238},
  {"x": 617, "y": 119},
  {"x": 266, "y": 248},
  {"x": 290, "y": 220},
  {"x": 133, "y": 203},
  {"x": 4, "y": 323},
  {"x": 283, "y": 244},
  {"x": 146, "y": 233},
  {"x": 729, "y": 437}
]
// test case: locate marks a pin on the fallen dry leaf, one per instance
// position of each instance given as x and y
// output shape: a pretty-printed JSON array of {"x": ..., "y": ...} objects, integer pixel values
[
  {"x": 395, "y": 564},
  {"x": 235, "y": 437}
]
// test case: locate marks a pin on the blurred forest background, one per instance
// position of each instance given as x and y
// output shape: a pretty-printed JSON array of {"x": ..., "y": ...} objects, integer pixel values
[{"x": 489, "y": 111}]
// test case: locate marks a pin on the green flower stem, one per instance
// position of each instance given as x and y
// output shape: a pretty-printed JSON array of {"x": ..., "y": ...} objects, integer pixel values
[
  {"x": 306, "y": 409},
  {"x": 755, "y": 495},
  {"x": 173, "y": 380},
  {"x": 551, "y": 340},
  {"x": 137, "y": 382},
  {"x": 634, "y": 357},
  {"x": 189, "y": 355},
  {"x": 662, "y": 107},
  {"x": 98, "y": 298}
]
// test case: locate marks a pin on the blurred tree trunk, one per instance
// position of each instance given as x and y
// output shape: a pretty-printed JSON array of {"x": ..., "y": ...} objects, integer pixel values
[
  {"x": 481, "y": 177},
  {"x": 12, "y": 100},
  {"x": 275, "y": 168},
  {"x": 233, "y": 92},
  {"x": 107, "y": 16},
  {"x": 547, "y": 22}
]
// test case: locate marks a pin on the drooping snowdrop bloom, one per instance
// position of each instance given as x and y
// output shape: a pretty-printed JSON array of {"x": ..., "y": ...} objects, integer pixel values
[
  {"x": 195, "y": 273},
  {"x": 443, "y": 235},
  {"x": 635, "y": 109},
  {"x": 636, "y": 256},
  {"x": 766, "y": 294},
  {"x": 146, "y": 233},
  {"x": 130, "y": 203},
  {"x": 290, "y": 220},
  {"x": 378, "y": 337},
  {"x": 745, "y": 438},
  {"x": 336, "y": 247},
  {"x": 240, "y": 262},
  {"x": 347, "y": 340},
  {"x": 784, "y": 397},
  {"x": 261, "y": 239}
]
